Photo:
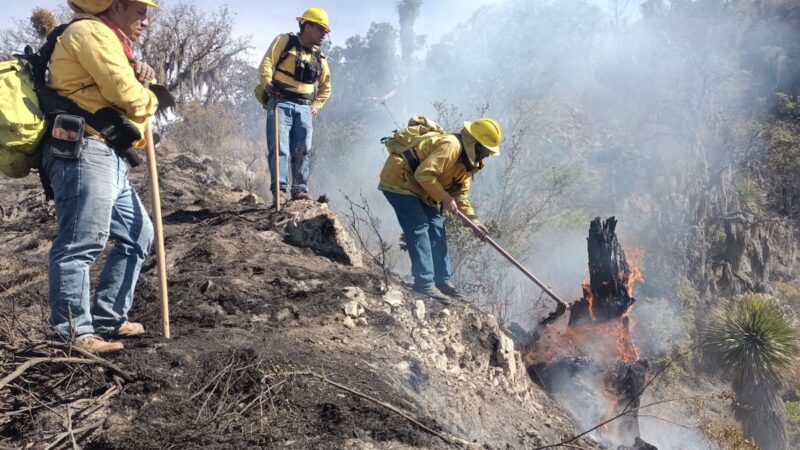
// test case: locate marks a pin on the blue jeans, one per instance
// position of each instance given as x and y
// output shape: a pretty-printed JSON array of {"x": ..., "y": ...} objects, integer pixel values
[
  {"x": 295, "y": 130},
  {"x": 425, "y": 237},
  {"x": 94, "y": 201}
]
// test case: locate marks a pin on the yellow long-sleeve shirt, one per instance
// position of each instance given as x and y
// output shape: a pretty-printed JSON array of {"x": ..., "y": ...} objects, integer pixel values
[
  {"x": 439, "y": 174},
  {"x": 269, "y": 73},
  {"x": 90, "y": 68}
]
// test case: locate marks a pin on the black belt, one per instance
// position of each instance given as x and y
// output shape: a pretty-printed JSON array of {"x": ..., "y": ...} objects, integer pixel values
[{"x": 294, "y": 98}]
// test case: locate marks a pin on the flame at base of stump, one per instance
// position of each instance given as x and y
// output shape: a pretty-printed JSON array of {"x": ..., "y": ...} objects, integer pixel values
[{"x": 591, "y": 364}]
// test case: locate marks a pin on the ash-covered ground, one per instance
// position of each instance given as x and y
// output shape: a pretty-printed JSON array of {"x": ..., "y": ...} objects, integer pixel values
[{"x": 280, "y": 340}]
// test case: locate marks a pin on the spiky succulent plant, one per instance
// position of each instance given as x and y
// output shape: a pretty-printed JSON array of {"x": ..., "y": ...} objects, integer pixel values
[
  {"x": 758, "y": 348},
  {"x": 754, "y": 342}
]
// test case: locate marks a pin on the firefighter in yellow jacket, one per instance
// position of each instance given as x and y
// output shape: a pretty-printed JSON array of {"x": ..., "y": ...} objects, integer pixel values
[
  {"x": 440, "y": 173},
  {"x": 93, "y": 66},
  {"x": 294, "y": 74}
]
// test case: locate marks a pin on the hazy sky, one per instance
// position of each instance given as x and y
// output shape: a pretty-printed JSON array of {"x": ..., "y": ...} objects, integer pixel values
[{"x": 263, "y": 19}]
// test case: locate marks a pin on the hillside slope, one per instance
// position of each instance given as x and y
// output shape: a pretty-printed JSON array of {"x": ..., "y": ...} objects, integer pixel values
[{"x": 264, "y": 353}]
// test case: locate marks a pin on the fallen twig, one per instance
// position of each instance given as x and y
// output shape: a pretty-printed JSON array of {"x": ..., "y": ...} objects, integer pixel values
[
  {"x": 623, "y": 413},
  {"x": 452, "y": 440},
  {"x": 62, "y": 436},
  {"x": 57, "y": 360},
  {"x": 69, "y": 429},
  {"x": 127, "y": 376}
]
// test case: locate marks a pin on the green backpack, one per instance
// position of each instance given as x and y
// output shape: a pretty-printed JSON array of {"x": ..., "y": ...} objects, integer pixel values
[
  {"x": 22, "y": 123},
  {"x": 405, "y": 140}
]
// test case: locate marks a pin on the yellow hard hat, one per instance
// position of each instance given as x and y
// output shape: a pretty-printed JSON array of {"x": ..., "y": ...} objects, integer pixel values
[
  {"x": 316, "y": 15},
  {"x": 95, "y": 7},
  {"x": 486, "y": 131}
]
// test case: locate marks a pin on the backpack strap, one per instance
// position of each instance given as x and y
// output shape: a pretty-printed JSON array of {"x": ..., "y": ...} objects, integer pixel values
[
  {"x": 413, "y": 160},
  {"x": 294, "y": 41},
  {"x": 115, "y": 128},
  {"x": 40, "y": 59},
  {"x": 410, "y": 154}
]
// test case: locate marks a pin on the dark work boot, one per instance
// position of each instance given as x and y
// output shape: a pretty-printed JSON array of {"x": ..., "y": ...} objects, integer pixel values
[
  {"x": 431, "y": 291},
  {"x": 300, "y": 195},
  {"x": 449, "y": 290}
]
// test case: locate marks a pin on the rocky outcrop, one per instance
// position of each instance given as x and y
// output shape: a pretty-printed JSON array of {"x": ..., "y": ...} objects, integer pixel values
[
  {"x": 738, "y": 245},
  {"x": 313, "y": 225}
]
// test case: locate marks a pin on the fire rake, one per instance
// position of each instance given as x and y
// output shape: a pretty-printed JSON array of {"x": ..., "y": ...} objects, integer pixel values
[{"x": 562, "y": 305}]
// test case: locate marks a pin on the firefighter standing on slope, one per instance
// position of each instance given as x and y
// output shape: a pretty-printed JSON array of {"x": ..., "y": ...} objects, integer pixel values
[
  {"x": 93, "y": 65},
  {"x": 443, "y": 178},
  {"x": 295, "y": 75}
]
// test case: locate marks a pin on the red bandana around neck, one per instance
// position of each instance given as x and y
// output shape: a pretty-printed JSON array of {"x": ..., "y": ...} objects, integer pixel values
[{"x": 126, "y": 42}]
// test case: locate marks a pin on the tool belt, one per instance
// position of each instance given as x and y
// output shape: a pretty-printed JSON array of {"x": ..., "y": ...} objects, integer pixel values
[{"x": 114, "y": 128}]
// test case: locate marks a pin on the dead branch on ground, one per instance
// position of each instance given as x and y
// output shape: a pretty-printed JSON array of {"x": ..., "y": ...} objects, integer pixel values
[{"x": 448, "y": 438}]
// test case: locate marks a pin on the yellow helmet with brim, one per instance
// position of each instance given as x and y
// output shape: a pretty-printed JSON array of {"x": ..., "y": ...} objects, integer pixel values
[{"x": 316, "y": 15}]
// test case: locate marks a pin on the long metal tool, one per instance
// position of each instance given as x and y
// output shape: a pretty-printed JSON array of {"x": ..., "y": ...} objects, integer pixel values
[
  {"x": 276, "y": 145},
  {"x": 562, "y": 305},
  {"x": 159, "y": 228}
]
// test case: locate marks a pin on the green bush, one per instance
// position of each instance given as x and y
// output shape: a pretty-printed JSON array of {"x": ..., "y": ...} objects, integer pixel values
[{"x": 793, "y": 423}]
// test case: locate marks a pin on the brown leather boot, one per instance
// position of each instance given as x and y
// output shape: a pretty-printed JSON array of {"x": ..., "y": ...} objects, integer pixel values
[
  {"x": 129, "y": 329},
  {"x": 96, "y": 344}
]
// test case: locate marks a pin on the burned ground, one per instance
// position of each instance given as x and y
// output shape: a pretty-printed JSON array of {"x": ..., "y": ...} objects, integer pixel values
[{"x": 263, "y": 354}]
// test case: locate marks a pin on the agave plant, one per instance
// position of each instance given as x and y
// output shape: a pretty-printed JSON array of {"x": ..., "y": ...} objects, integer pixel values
[{"x": 758, "y": 348}]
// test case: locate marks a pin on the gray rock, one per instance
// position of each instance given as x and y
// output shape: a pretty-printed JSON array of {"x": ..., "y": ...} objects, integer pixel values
[
  {"x": 283, "y": 314},
  {"x": 317, "y": 227},
  {"x": 419, "y": 309},
  {"x": 353, "y": 309},
  {"x": 393, "y": 297},
  {"x": 355, "y": 293}
]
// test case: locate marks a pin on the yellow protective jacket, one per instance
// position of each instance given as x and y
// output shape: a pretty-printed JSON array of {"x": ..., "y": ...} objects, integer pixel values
[
  {"x": 440, "y": 173},
  {"x": 90, "y": 68},
  {"x": 267, "y": 71}
]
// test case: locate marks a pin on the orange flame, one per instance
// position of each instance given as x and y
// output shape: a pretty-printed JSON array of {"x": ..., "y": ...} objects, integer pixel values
[
  {"x": 635, "y": 274},
  {"x": 626, "y": 349},
  {"x": 589, "y": 296}
]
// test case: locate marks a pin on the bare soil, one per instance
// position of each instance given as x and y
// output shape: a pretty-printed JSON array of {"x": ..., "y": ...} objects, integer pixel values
[{"x": 262, "y": 353}]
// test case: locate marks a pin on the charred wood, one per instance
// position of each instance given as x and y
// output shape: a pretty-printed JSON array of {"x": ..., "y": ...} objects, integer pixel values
[{"x": 607, "y": 296}]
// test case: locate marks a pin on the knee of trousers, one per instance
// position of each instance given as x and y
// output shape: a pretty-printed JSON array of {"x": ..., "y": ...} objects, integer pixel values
[{"x": 147, "y": 235}]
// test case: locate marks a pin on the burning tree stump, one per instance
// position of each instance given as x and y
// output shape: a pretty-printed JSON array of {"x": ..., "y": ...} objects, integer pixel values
[
  {"x": 591, "y": 363},
  {"x": 607, "y": 296}
]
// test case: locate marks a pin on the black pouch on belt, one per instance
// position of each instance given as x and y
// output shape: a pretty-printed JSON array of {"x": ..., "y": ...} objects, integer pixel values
[{"x": 66, "y": 137}]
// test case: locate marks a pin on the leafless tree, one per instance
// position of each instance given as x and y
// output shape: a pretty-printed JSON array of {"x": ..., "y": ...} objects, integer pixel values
[
  {"x": 196, "y": 54},
  {"x": 366, "y": 228}
]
